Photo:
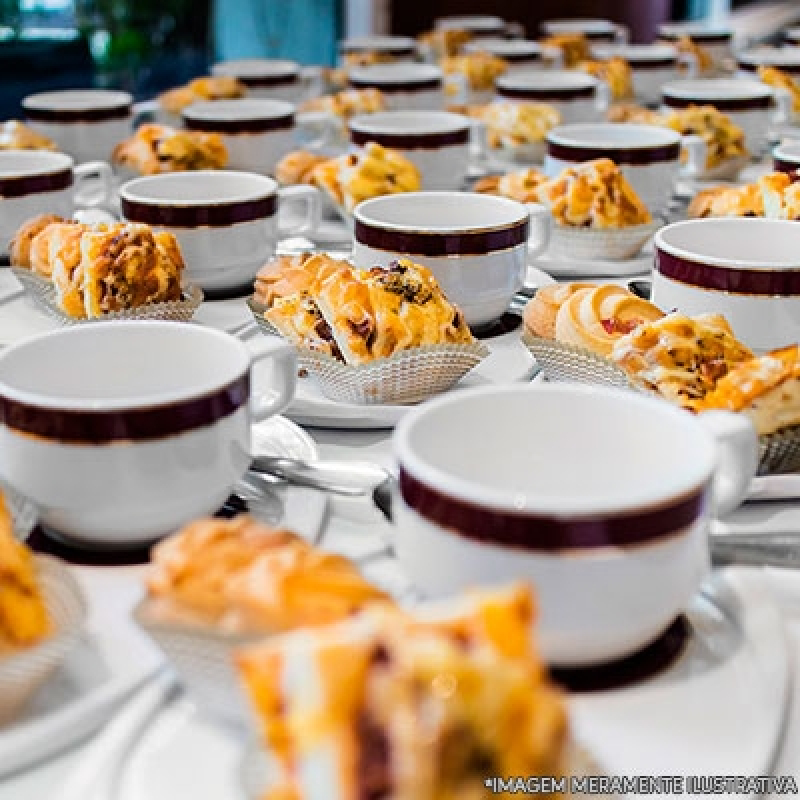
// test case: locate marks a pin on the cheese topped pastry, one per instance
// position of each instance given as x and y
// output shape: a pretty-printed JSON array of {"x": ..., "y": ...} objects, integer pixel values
[
  {"x": 21, "y": 250},
  {"x": 721, "y": 201},
  {"x": 297, "y": 167},
  {"x": 574, "y": 47},
  {"x": 519, "y": 185},
  {"x": 348, "y": 102},
  {"x": 616, "y": 72},
  {"x": 212, "y": 87},
  {"x": 724, "y": 140},
  {"x": 511, "y": 125},
  {"x": 780, "y": 79},
  {"x": 480, "y": 70},
  {"x": 16, "y": 136}
]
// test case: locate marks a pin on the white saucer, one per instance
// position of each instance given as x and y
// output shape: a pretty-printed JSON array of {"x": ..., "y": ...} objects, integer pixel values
[
  {"x": 688, "y": 720},
  {"x": 559, "y": 267}
]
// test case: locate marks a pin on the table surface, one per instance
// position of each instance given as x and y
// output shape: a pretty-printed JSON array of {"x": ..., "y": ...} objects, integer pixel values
[{"x": 355, "y": 525}]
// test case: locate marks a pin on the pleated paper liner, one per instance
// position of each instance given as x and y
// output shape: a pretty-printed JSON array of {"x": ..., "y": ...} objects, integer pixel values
[
  {"x": 23, "y": 512},
  {"x": 778, "y": 452},
  {"x": 591, "y": 244},
  {"x": 24, "y": 671},
  {"x": 409, "y": 376},
  {"x": 44, "y": 293}
]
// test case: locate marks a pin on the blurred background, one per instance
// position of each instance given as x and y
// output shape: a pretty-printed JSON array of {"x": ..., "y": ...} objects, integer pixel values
[{"x": 145, "y": 46}]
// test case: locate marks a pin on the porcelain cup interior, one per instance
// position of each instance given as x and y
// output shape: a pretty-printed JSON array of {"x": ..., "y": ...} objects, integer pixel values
[
  {"x": 475, "y": 245},
  {"x": 574, "y": 489},
  {"x": 477, "y": 24},
  {"x": 119, "y": 432},
  {"x": 747, "y": 269}
]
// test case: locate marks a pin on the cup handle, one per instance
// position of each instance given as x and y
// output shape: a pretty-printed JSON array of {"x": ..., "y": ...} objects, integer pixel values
[
  {"x": 689, "y": 60},
  {"x": 737, "y": 458},
  {"x": 622, "y": 34},
  {"x": 541, "y": 222},
  {"x": 553, "y": 57},
  {"x": 284, "y": 356},
  {"x": 310, "y": 223},
  {"x": 603, "y": 97},
  {"x": 103, "y": 172},
  {"x": 515, "y": 30},
  {"x": 783, "y": 106},
  {"x": 320, "y": 124},
  {"x": 312, "y": 79},
  {"x": 696, "y": 152},
  {"x": 479, "y": 143}
]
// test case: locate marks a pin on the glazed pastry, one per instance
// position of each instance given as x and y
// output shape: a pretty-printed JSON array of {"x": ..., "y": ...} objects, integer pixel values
[
  {"x": 16, "y": 136},
  {"x": 616, "y": 72},
  {"x": 297, "y": 167},
  {"x": 780, "y": 79},
  {"x": 24, "y": 618},
  {"x": 520, "y": 186},
  {"x": 158, "y": 148},
  {"x": 700, "y": 55},
  {"x": 61, "y": 247},
  {"x": 21, "y": 252},
  {"x": 630, "y": 112},
  {"x": 574, "y": 47},
  {"x": 373, "y": 171},
  {"x": 781, "y": 196},
  {"x": 512, "y": 125},
  {"x": 239, "y": 575},
  {"x": 681, "y": 357},
  {"x": 594, "y": 194},
  {"x": 738, "y": 201},
  {"x": 216, "y": 87},
  {"x": 765, "y": 388},
  {"x": 287, "y": 275},
  {"x": 723, "y": 139},
  {"x": 480, "y": 70},
  {"x": 375, "y": 314},
  {"x": 371, "y": 717},
  {"x": 596, "y": 318},
  {"x": 444, "y": 43},
  {"x": 540, "y": 313},
  {"x": 298, "y": 318},
  {"x": 348, "y": 102}
]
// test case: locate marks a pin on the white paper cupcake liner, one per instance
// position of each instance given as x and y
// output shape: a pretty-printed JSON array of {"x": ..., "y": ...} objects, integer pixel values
[
  {"x": 44, "y": 293},
  {"x": 407, "y": 377},
  {"x": 23, "y": 512},
  {"x": 524, "y": 153},
  {"x": 24, "y": 671},
  {"x": 727, "y": 170},
  {"x": 589, "y": 244},
  {"x": 778, "y": 452}
]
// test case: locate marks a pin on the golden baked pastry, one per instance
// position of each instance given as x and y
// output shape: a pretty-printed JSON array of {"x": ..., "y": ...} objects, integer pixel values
[
  {"x": 21, "y": 252},
  {"x": 765, "y": 388},
  {"x": 724, "y": 140},
  {"x": 721, "y": 201},
  {"x": 780, "y": 196},
  {"x": 616, "y": 72},
  {"x": 539, "y": 316},
  {"x": 444, "y": 43},
  {"x": 780, "y": 79},
  {"x": 574, "y": 47},
  {"x": 397, "y": 706},
  {"x": 480, "y": 70},
  {"x": 348, "y": 102},
  {"x": 520, "y": 185},
  {"x": 597, "y": 318},
  {"x": 681, "y": 357},
  {"x": 511, "y": 125},
  {"x": 297, "y": 167},
  {"x": 639, "y": 115},
  {"x": 212, "y": 87},
  {"x": 239, "y": 575},
  {"x": 701, "y": 56},
  {"x": 373, "y": 171},
  {"x": 24, "y": 618},
  {"x": 594, "y": 194},
  {"x": 158, "y": 148},
  {"x": 14, "y": 135}
]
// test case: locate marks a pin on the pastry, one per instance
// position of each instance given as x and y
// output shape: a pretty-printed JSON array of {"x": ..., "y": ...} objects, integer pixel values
[
  {"x": 596, "y": 318},
  {"x": 394, "y": 706},
  {"x": 480, "y": 70},
  {"x": 158, "y": 148},
  {"x": 348, "y": 102},
  {"x": 737, "y": 201},
  {"x": 21, "y": 252},
  {"x": 780, "y": 79},
  {"x": 297, "y": 167},
  {"x": 724, "y": 140},
  {"x": 216, "y": 87},
  {"x": 60, "y": 246},
  {"x": 638, "y": 115},
  {"x": 16, "y": 136},
  {"x": 765, "y": 388},
  {"x": 540, "y": 313},
  {"x": 520, "y": 185},
  {"x": 239, "y": 575},
  {"x": 594, "y": 194},
  {"x": 615, "y": 72},
  {"x": 513, "y": 125},
  {"x": 680, "y": 357},
  {"x": 699, "y": 56},
  {"x": 780, "y": 195},
  {"x": 574, "y": 47},
  {"x": 444, "y": 43},
  {"x": 373, "y": 171}
]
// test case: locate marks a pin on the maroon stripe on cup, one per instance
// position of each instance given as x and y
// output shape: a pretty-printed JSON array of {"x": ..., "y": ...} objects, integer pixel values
[
  {"x": 418, "y": 243},
  {"x": 35, "y": 184},
  {"x": 266, "y": 81},
  {"x": 519, "y": 58},
  {"x": 71, "y": 115},
  {"x": 199, "y": 216},
  {"x": 652, "y": 63},
  {"x": 698, "y": 36},
  {"x": 749, "y": 66},
  {"x": 425, "y": 84},
  {"x": 640, "y": 156},
  {"x": 412, "y": 141},
  {"x": 722, "y": 104},
  {"x": 531, "y": 93},
  {"x": 542, "y": 532},
  {"x": 789, "y": 167},
  {"x": 128, "y": 425},
  {"x": 393, "y": 50},
  {"x": 769, "y": 283},
  {"x": 262, "y": 125}
]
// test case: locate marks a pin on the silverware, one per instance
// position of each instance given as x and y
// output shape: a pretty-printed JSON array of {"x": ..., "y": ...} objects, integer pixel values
[
  {"x": 349, "y": 478},
  {"x": 774, "y": 488}
]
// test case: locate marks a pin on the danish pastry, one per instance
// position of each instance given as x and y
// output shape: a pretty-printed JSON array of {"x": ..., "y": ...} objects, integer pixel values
[
  {"x": 724, "y": 140},
  {"x": 214, "y": 87},
  {"x": 780, "y": 79},
  {"x": 737, "y": 201},
  {"x": 699, "y": 55},
  {"x": 21, "y": 251},
  {"x": 348, "y": 102},
  {"x": 574, "y": 47},
  {"x": 638, "y": 115},
  {"x": 540, "y": 313},
  {"x": 16, "y": 136},
  {"x": 444, "y": 43},
  {"x": 519, "y": 185},
  {"x": 480, "y": 70},
  {"x": 616, "y": 72},
  {"x": 513, "y": 125},
  {"x": 297, "y": 167}
]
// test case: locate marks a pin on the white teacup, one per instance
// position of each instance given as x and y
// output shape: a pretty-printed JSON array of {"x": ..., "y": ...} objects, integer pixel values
[
  {"x": 226, "y": 222},
  {"x": 717, "y": 41},
  {"x": 387, "y": 48},
  {"x": 521, "y": 54},
  {"x": 577, "y": 96},
  {"x": 85, "y": 123},
  {"x": 36, "y": 182},
  {"x": 276, "y": 79},
  {"x": 786, "y": 158},
  {"x": 652, "y": 65},
  {"x": 258, "y": 133},
  {"x": 405, "y": 86},
  {"x": 479, "y": 25},
  {"x": 784, "y": 58},
  {"x": 595, "y": 30},
  {"x": 437, "y": 142},
  {"x": 599, "y": 497},
  {"x": 648, "y": 155},
  {"x": 120, "y": 432},
  {"x": 747, "y": 269},
  {"x": 792, "y": 36},
  {"x": 750, "y": 104},
  {"x": 475, "y": 245}
]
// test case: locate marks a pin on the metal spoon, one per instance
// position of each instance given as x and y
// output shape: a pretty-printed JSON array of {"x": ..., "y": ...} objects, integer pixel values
[{"x": 349, "y": 478}]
